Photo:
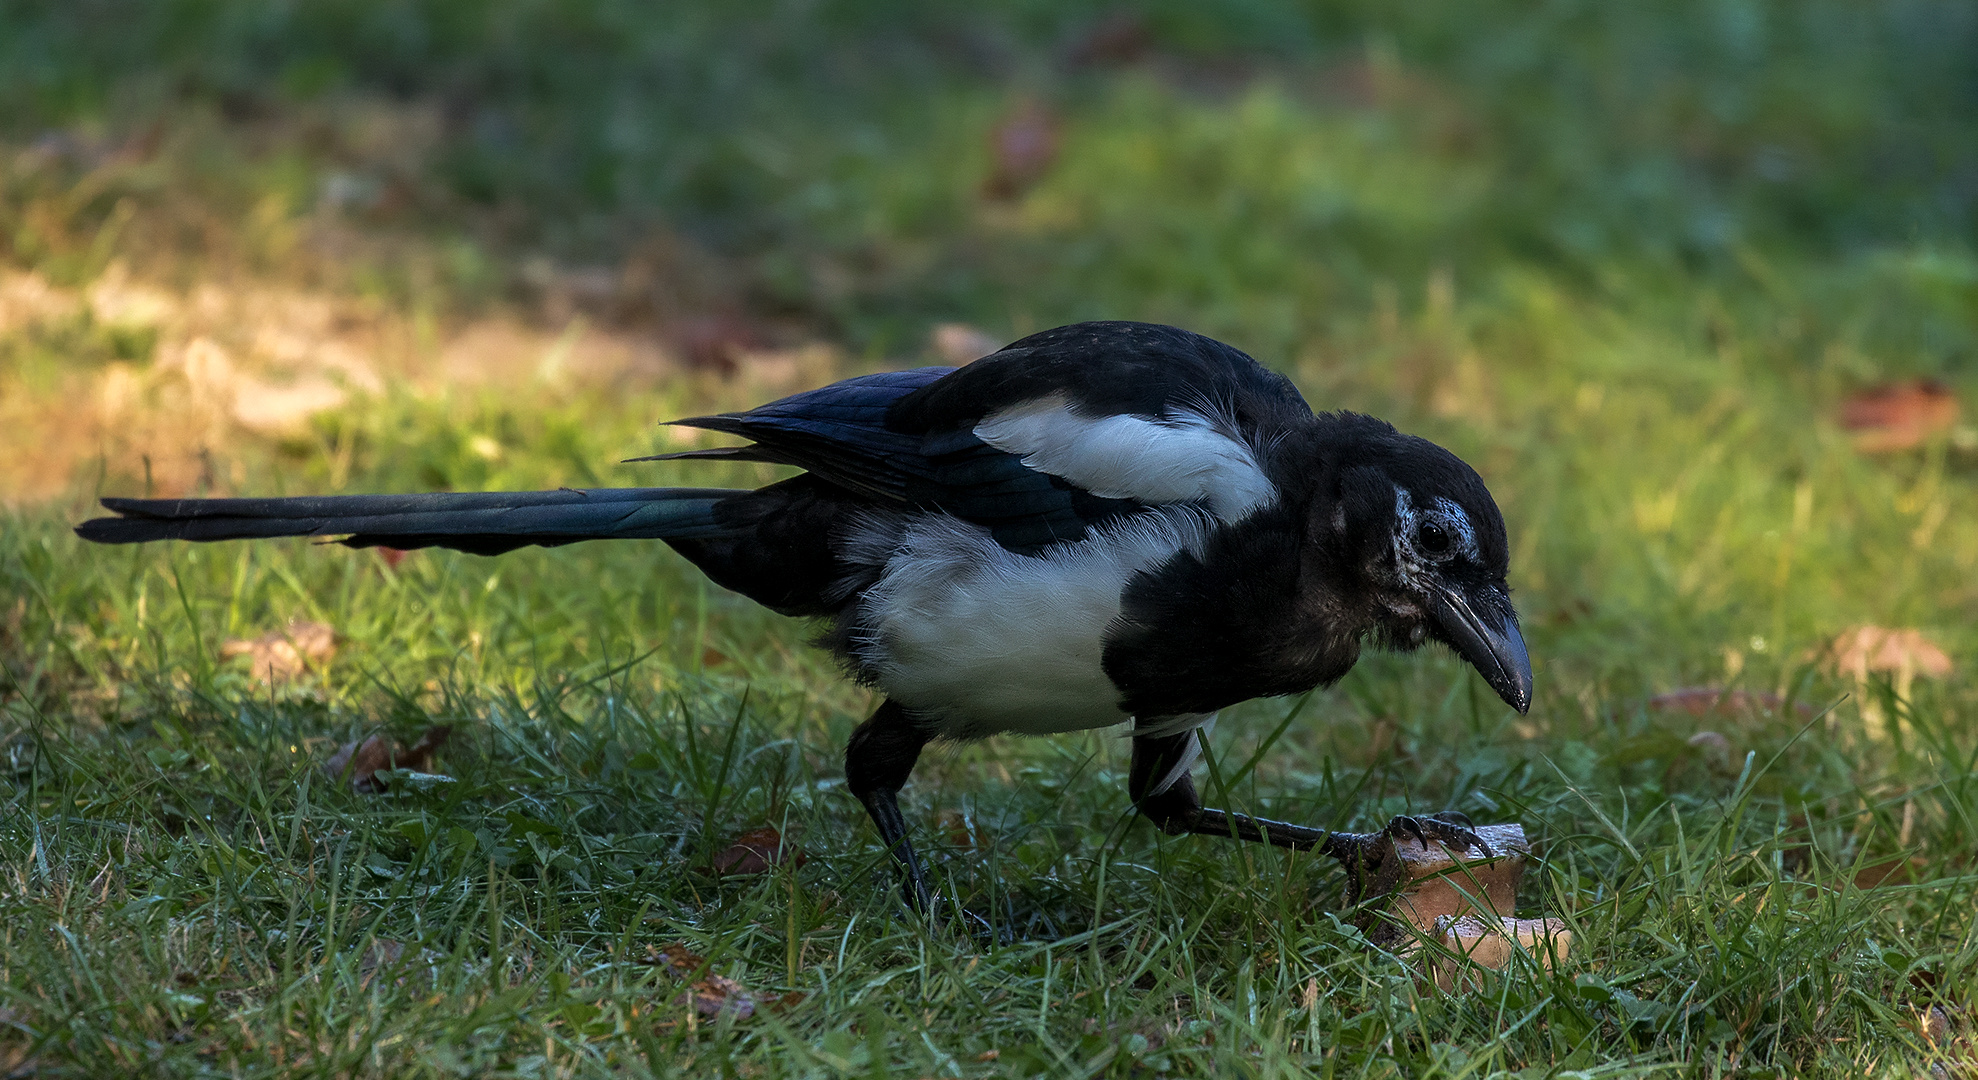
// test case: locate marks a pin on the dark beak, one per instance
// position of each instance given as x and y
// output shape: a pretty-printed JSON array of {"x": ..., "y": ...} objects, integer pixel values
[{"x": 1481, "y": 625}]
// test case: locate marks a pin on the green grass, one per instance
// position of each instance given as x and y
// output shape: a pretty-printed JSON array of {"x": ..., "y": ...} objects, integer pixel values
[{"x": 1626, "y": 259}]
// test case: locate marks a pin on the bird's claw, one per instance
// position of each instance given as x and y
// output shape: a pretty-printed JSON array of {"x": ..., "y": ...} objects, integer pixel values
[{"x": 1452, "y": 829}]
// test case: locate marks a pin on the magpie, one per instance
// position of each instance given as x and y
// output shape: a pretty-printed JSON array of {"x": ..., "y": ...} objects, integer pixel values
[{"x": 1107, "y": 523}]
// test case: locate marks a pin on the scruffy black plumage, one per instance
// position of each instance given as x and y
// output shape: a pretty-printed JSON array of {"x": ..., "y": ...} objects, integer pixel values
[{"x": 1104, "y": 523}]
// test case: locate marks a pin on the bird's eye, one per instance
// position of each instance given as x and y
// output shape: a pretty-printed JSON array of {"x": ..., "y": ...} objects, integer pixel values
[{"x": 1432, "y": 540}]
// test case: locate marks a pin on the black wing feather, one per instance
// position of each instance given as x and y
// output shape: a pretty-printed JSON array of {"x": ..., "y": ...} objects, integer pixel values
[
  {"x": 907, "y": 438},
  {"x": 1110, "y": 369},
  {"x": 839, "y": 434}
]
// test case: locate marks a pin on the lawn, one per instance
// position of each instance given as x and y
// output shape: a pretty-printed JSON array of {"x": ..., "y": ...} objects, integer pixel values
[{"x": 1646, "y": 266}]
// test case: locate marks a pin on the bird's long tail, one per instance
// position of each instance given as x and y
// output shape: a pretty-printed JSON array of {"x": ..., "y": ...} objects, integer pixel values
[{"x": 485, "y": 523}]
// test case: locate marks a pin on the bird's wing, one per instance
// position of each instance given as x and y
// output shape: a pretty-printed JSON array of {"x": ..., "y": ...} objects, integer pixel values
[{"x": 1044, "y": 439}]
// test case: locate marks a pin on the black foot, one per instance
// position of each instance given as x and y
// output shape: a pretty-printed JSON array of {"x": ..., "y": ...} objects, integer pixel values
[{"x": 1449, "y": 828}]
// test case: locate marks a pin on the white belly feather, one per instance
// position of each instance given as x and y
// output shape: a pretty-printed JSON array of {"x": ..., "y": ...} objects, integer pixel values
[{"x": 982, "y": 640}]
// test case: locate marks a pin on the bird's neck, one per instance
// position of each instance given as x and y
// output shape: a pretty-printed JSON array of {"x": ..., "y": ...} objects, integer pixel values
[{"x": 1242, "y": 620}]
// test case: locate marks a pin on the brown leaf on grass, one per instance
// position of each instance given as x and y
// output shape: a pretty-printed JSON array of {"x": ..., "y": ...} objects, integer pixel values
[
  {"x": 676, "y": 958},
  {"x": 1022, "y": 148},
  {"x": 757, "y": 852},
  {"x": 1899, "y": 416},
  {"x": 391, "y": 555},
  {"x": 959, "y": 830},
  {"x": 382, "y": 953},
  {"x": 717, "y": 996},
  {"x": 1934, "y": 1024},
  {"x": 16, "y": 1060},
  {"x": 1711, "y": 700},
  {"x": 1904, "y": 652},
  {"x": 281, "y": 655},
  {"x": 1890, "y": 872},
  {"x": 362, "y": 761},
  {"x": 711, "y": 996}
]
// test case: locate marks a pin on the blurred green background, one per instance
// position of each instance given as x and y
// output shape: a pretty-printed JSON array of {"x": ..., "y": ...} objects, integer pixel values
[{"x": 1691, "y": 282}]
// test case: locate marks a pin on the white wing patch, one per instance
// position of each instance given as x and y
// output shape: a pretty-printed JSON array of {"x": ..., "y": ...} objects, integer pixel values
[
  {"x": 1181, "y": 457},
  {"x": 983, "y": 641}
]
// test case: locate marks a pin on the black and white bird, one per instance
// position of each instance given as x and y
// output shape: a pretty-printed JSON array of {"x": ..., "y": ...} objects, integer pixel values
[{"x": 1107, "y": 523}]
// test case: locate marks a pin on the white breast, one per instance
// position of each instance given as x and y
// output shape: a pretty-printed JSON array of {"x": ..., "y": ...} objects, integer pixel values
[
  {"x": 983, "y": 641},
  {"x": 1181, "y": 457}
]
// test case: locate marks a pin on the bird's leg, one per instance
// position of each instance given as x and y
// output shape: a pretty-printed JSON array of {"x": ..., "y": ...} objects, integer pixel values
[
  {"x": 881, "y": 754},
  {"x": 1177, "y": 809}
]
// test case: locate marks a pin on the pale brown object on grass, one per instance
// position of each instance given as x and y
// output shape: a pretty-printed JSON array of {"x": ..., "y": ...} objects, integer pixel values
[
  {"x": 362, "y": 761},
  {"x": 1491, "y": 943},
  {"x": 757, "y": 851},
  {"x": 385, "y": 955},
  {"x": 281, "y": 655},
  {"x": 1901, "y": 654},
  {"x": 1899, "y": 416},
  {"x": 1904, "y": 653},
  {"x": 1463, "y": 901},
  {"x": 713, "y": 996},
  {"x": 958, "y": 828}
]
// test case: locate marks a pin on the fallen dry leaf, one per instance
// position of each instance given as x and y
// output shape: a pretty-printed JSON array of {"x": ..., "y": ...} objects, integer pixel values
[
  {"x": 711, "y": 996},
  {"x": 1902, "y": 654},
  {"x": 756, "y": 852},
  {"x": 1864, "y": 649},
  {"x": 717, "y": 996},
  {"x": 362, "y": 761},
  {"x": 677, "y": 958},
  {"x": 1934, "y": 1025},
  {"x": 1899, "y": 416},
  {"x": 1022, "y": 148},
  {"x": 1892, "y": 872},
  {"x": 958, "y": 828},
  {"x": 383, "y": 953},
  {"x": 280, "y": 655}
]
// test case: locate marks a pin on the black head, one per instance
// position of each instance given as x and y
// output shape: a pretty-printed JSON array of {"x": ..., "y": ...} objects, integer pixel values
[{"x": 1426, "y": 542}]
